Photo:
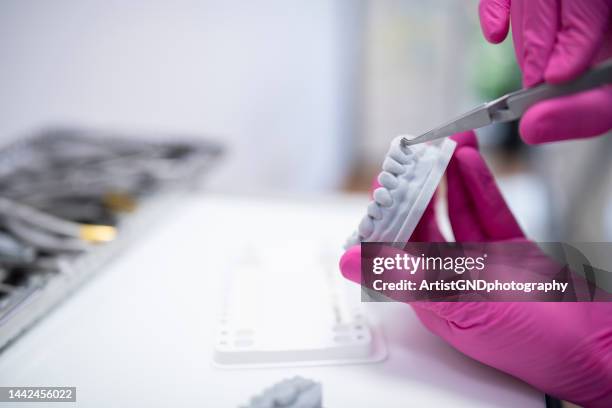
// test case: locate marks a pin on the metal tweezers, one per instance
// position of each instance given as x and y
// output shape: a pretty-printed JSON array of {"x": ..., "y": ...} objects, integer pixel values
[{"x": 513, "y": 105}]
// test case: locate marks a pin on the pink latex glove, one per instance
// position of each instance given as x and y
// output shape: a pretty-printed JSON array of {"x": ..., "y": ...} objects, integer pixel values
[
  {"x": 563, "y": 349},
  {"x": 555, "y": 41}
]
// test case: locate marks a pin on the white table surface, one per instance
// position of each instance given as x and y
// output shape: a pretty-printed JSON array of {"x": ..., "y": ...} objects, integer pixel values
[{"x": 141, "y": 332}]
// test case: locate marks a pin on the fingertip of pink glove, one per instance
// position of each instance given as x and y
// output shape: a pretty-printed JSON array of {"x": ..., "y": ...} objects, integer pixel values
[
  {"x": 494, "y": 19},
  {"x": 350, "y": 264},
  {"x": 537, "y": 125},
  {"x": 466, "y": 139},
  {"x": 572, "y": 117}
]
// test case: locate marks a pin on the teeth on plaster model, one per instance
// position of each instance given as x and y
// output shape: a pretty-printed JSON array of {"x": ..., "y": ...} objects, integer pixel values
[
  {"x": 387, "y": 180},
  {"x": 374, "y": 211},
  {"x": 392, "y": 166},
  {"x": 366, "y": 226},
  {"x": 382, "y": 196},
  {"x": 408, "y": 181}
]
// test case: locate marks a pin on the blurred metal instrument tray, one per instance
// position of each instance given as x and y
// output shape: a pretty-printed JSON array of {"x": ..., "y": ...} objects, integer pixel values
[{"x": 71, "y": 199}]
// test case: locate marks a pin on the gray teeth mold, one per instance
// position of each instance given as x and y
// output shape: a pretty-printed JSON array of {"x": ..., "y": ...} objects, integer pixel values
[
  {"x": 408, "y": 181},
  {"x": 296, "y": 392}
]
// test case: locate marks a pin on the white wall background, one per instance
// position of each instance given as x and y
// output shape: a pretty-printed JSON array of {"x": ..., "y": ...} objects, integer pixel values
[
  {"x": 417, "y": 68},
  {"x": 270, "y": 77}
]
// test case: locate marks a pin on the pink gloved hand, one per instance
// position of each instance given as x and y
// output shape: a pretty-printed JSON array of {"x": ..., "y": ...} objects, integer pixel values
[
  {"x": 555, "y": 41},
  {"x": 563, "y": 349}
]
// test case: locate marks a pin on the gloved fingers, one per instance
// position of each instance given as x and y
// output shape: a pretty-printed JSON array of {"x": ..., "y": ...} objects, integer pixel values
[
  {"x": 516, "y": 17},
  {"x": 461, "y": 209},
  {"x": 454, "y": 316},
  {"x": 431, "y": 320},
  {"x": 493, "y": 217},
  {"x": 586, "y": 114},
  {"x": 466, "y": 139},
  {"x": 350, "y": 264},
  {"x": 427, "y": 229},
  {"x": 583, "y": 25},
  {"x": 462, "y": 212},
  {"x": 538, "y": 25},
  {"x": 494, "y": 19}
]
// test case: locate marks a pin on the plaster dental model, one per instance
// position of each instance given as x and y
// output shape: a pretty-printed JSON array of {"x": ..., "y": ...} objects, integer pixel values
[
  {"x": 290, "y": 393},
  {"x": 408, "y": 181}
]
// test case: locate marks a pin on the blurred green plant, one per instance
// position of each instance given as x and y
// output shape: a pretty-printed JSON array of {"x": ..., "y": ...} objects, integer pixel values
[{"x": 497, "y": 72}]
